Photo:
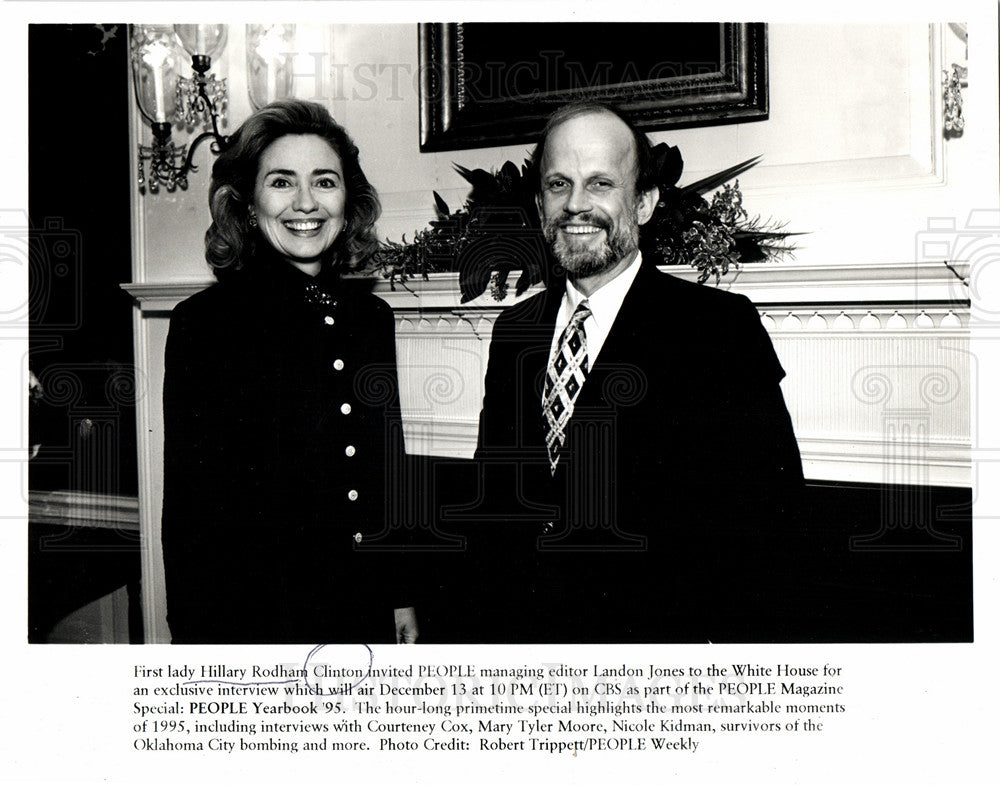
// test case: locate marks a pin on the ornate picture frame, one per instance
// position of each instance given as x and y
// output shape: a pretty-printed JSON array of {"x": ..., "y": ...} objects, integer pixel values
[{"x": 489, "y": 84}]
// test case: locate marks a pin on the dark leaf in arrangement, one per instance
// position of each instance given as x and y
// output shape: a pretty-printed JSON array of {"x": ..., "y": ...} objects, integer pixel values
[
  {"x": 668, "y": 162},
  {"x": 713, "y": 181},
  {"x": 441, "y": 206},
  {"x": 511, "y": 172},
  {"x": 749, "y": 250},
  {"x": 484, "y": 184},
  {"x": 472, "y": 285},
  {"x": 530, "y": 275},
  {"x": 467, "y": 174},
  {"x": 523, "y": 283},
  {"x": 475, "y": 264}
]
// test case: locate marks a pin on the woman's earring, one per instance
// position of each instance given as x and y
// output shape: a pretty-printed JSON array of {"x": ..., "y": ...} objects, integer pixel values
[{"x": 253, "y": 218}]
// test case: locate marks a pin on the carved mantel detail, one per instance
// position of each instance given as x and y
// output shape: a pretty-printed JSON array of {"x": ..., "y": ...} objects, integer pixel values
[{"x": 903, "y": 323}]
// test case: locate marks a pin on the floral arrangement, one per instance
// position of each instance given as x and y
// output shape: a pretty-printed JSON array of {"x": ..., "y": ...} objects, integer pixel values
[{"x": 498, "y": 231}]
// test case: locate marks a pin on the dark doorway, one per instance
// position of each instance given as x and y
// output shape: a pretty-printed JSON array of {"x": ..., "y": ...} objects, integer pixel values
[{"x": 82, "y": 411}]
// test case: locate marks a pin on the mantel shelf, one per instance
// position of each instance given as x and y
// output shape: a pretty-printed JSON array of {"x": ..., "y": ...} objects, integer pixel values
[{"x": 765, "y": 284}]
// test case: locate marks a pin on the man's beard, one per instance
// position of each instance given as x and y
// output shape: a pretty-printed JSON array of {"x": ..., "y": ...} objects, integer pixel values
[{"x": 583, "y": 262}]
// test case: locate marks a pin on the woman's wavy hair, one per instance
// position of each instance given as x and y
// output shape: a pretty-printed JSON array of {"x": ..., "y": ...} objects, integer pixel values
[{"x": 231, "y": 240}]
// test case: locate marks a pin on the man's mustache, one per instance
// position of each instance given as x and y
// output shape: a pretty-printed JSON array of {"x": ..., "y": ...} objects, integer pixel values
[{"x": 600, "y": 223}]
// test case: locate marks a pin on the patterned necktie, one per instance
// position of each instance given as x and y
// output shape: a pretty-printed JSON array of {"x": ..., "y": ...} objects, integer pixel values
[{"x": 565, "y": 376}]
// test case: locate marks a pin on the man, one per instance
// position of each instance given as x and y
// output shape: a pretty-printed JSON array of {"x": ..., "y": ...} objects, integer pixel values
[{"x": 635, "y": 448}]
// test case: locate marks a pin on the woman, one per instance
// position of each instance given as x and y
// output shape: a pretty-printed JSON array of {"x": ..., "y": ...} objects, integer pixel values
[{"x": 281, "y": 404}]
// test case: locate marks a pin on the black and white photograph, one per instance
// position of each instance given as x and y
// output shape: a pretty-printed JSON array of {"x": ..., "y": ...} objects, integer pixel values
[{"x": 519, "y": 392}]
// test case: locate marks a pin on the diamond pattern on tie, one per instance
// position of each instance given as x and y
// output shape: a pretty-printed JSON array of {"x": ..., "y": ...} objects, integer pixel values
[{"x": 564, "y": 377}]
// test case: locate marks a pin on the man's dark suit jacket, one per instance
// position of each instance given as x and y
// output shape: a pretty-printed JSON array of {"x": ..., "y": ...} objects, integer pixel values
[{"x": 667, "y": 517}]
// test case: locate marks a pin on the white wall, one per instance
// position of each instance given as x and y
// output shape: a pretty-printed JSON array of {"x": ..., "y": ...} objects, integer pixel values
[{"x": 852, "y": 150}]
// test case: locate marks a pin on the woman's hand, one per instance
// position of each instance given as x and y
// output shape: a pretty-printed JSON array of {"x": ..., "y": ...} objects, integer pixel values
[{"x": 407, "y": 630}]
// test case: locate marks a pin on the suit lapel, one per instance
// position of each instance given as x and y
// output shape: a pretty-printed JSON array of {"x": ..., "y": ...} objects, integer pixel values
[{"x": 632, "y": 345}]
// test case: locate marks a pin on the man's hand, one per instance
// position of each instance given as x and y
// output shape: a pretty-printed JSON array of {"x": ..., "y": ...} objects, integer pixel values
[{"x": 407, "y": 630}]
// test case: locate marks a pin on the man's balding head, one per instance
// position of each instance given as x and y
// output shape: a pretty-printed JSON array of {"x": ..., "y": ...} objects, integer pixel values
[{"x": 645, "y": 173}]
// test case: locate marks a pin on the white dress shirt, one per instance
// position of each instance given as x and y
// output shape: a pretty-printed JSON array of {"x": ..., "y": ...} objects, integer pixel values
[{"x": 604, "y": 306}]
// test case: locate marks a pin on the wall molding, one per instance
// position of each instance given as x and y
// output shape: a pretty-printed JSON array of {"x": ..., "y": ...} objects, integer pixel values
[
  {"x": 903, "y": 322},
  {"x": 768, "y": 284},
  {"x": 79, "y": 508},
  {"x": 943, "y": 462}
]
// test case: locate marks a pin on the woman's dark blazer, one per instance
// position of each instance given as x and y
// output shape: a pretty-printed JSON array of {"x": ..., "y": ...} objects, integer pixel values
[{"x": 281, "y": 425}]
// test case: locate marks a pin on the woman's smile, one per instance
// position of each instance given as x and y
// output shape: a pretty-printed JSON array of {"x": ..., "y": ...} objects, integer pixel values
[{"x": 303, "y": 228}]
